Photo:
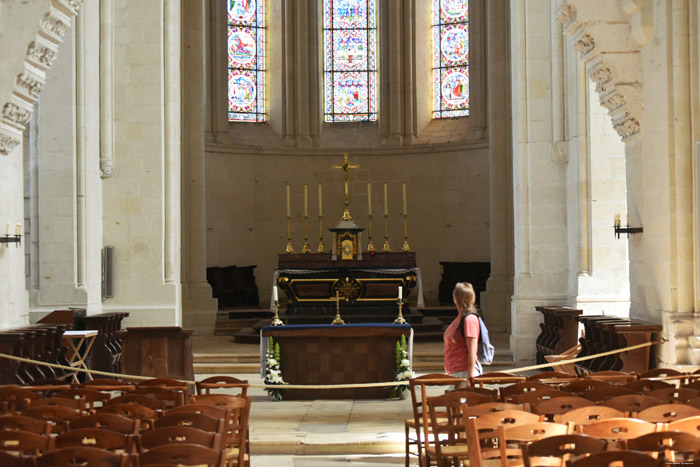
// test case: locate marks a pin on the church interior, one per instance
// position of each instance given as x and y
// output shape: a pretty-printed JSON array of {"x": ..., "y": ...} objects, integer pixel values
[{"x": 145, "y": 145}]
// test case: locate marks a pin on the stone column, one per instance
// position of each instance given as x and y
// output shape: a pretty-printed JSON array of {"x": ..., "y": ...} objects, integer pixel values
[
  {"x": 499, "y": 287},
  {"x": 199, "y": 309}
]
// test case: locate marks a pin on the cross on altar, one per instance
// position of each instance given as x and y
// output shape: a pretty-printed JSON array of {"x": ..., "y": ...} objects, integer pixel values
[{"x": 345, "y": 167}]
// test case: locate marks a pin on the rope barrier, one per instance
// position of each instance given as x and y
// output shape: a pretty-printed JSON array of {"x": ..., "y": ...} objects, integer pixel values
[{"x": 334, "y": 386}]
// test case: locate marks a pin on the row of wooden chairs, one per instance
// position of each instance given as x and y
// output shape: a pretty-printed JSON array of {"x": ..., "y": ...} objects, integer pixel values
[{"x": 544, "y": 402}]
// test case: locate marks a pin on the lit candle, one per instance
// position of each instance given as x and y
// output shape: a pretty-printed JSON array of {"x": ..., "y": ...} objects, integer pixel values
[
  {"x": 386, "y": 203},
  {"x": 404, "y": 198},
  {"x": 274, "y": 295},
  {"x": 320, "y": 200},
  {"x": 400, "y": 292},
  {"x": 306, "y": 200},
  {"x": 369, "y": 198},
  {"x": 289, "y": 210},
  {"x": 17, "y": 227},
  {"x": 617, "y": 220}
]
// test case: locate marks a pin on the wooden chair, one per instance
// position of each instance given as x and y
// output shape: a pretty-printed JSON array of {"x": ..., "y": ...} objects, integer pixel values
[
  {"x": 694, "y": 402},
  {"x": 75, "y": 456},
  {"x": 647, "y": 385},
  {"x": 603, "y": 393},
  {"x": 192, "y": 420},
  {"x": 667, "y": 413},
  {"x": 618, "y": 458},
  {"x": 139, "y": 399},
  {"x": 96, "y": 438},
  {"x": 170, "y": 397},
  {"x": 553, "y": 377},
  {"x": 670, "y": 395},
  {"x": 687, "y": 425},
  {"x": 75, "y": 404},
  {"x": 24, "y": 423},
  {"x": 93, "y": 399},
  {"x": 181, "y": 454},
  {"x": 667, "y": 442},
  {"x": 10, "y": 460},
  {"x": 631, "y": 403},
  {"x": 558, "y": 450},
  {"x": 24, "y": 443},
  {"x": 171, "y": 435},
  {"x": 15, "y": 399},
  {"x": 507, "y": 392},
  {"x": 168, "y": 383},
  {"x": 108, "y": 421},
  {"x": 558, "y": 405},
  {"x": 108, "y": 385},
  {"x": 236, "y": 437},
  {"x": 660, "y": 373},
  {"x": 487, "y": 408},
  {"x": 59, "y": 416},
  {"x": 613, "y": 377},
  {"x": 206, "y": 385},
  {"x": 145, "y": 415},
  {"x": 485, "y": 428},
  {"x": 512, "y": 438},
  {"x": 535, "y": 397},
  {"x": 447, "y": 425},
  {"x": 581, "y": 385},
  {"x": 588, "y": 415},
  {"x": 497, "y": 377},
  {"x": 618, "y": 429},
  {"x": 418, "y": 389}
]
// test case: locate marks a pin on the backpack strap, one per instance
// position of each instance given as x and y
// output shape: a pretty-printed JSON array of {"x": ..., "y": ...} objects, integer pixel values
[{"x": 462, "y": 331}]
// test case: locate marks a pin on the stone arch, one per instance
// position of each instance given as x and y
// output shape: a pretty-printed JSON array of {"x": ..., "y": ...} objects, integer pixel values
[{"x": 40, "y": 54}]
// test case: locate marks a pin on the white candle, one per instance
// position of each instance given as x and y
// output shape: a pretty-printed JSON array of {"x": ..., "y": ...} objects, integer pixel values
[
  {"x": 7, "y": 229},
  {"x": 289, "y": 210},
  {"x": 404, "y": 198},
  {"x": 17, "y": 228},
  {"x": 400, "y": 292},
  {"x": 369, "y": 198},
  {"x": 386, "y": 203},
  {"x": 306, "y": 199},
  {"x": 320, "y": 200},
  {"x": 274, "y": 295}
]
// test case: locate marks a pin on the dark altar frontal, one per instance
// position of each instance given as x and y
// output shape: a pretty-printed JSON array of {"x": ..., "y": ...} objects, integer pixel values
[
  {"x": 367, "y": 288},
  {"x": 328, "y": 354}
]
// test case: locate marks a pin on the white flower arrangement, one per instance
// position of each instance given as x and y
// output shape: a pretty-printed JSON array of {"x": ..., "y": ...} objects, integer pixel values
[
  {"x": 273, "y": 371},
  {"x": 403, "y": 367}
]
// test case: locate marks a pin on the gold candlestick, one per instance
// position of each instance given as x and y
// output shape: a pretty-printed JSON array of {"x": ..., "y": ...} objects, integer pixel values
[
  {"x": 290, "y": 248},
  {"x": 405, "y": 246},
  {"x": 370, "y": 245},
  {"x": 400, "y": 319},
  {"x": 338, "y": 319},
  {"x": 305, "y": 248},
  {"x": 276, "y": 321},
  {"x": 386, "y": 246},
  {"x": 321, "y": 246}
]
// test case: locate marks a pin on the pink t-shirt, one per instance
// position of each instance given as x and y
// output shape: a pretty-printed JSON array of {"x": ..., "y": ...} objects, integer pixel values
[{"x": 456, "y": 345}]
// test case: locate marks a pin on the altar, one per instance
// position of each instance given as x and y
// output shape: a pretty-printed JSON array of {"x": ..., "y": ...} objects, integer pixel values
[{"x": 326, "y": 354}]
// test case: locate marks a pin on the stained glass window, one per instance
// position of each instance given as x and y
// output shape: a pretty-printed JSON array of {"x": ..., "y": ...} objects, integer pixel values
[
  {"x": 350, "y": 60},
  {"x": 450, "y": 58},
  {"x": 246, "y": 60}
]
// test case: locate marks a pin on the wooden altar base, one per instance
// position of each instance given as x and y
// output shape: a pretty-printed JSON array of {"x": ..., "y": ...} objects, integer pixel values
[{"x": 324, "y": 354}]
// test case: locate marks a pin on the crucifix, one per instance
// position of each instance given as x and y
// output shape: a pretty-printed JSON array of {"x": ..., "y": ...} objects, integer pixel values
[{"x": 345, "y": 167}]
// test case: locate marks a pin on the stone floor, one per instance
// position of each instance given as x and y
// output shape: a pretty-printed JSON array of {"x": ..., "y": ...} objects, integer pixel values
[{"x": 320, "y": 432}]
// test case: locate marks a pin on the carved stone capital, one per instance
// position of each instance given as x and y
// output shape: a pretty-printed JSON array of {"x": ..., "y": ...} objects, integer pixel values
[
  {"x": 566, "y": 16},
  {"x": 16, "y": 116},
  {"x": 8, "y": 142},
  {"x": 601, "y": 74},
  {"x": 39, "y": 54},
  {"x": 628, "y": 128},
  {"x": 613, "y": 101},
  {"x": 29, "y": 86},
  {"x": 55, "y": 24},
  {"x": 584, "y": 44}
]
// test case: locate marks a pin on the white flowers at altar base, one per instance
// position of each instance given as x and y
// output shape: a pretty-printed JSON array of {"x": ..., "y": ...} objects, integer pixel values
[
  {"x": 403, "y": 367},
  {"x": 273, "y": 371}
]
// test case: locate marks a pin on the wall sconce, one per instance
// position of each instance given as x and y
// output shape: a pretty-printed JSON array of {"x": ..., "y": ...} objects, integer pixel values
[
  {"x": 16, "y": 238},
  {"x": 626, "y": 229}
]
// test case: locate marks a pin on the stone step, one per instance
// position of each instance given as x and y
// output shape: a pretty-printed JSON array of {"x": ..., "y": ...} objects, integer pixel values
[{"x": 227, "y": 358}]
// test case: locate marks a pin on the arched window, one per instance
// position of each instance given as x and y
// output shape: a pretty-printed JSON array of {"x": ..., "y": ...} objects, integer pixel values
[
  {"x": 450, "y": 58},
  {"x": 246, "y": 60},
  {"x": 350, "y": 60}
]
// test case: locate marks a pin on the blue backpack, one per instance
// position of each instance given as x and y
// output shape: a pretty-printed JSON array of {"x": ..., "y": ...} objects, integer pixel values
[{"x": 485, "y": 351}]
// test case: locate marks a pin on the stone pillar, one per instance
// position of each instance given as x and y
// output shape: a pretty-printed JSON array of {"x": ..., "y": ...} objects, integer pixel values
[
  {"x": 199, "y": 309},
  {"x": 495, "y": 301}
]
